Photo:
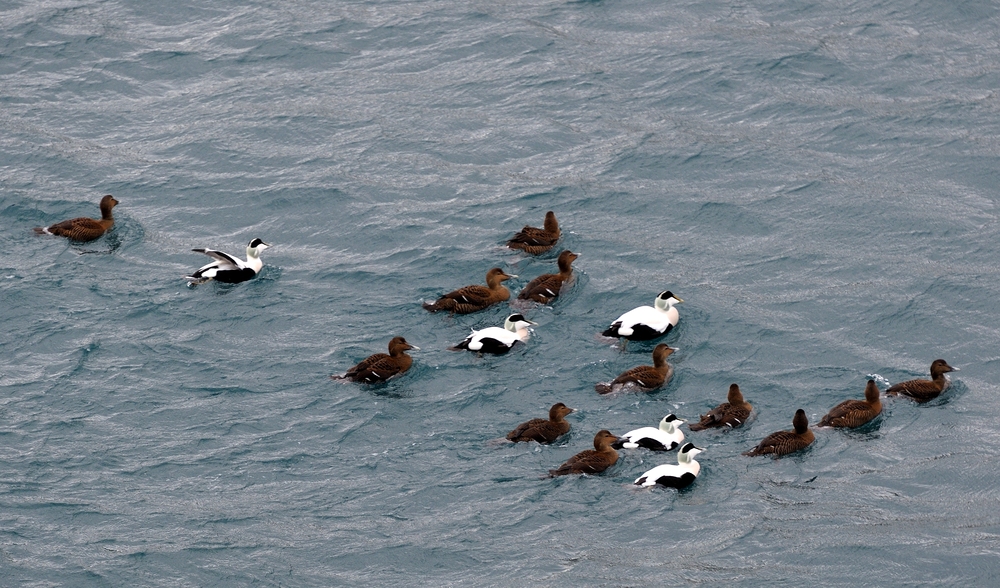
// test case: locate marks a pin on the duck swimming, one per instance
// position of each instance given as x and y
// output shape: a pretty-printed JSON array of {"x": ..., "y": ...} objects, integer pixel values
[
  {"x": 854, "y": 413},
  {"x": 679, "y": 475},
  {"x": 380, "y": 367},
  {"x": 84, "y": 229},
  {"x": 534, "y": 240},
  {"x": 732, "y": 413},
  {"x": 644, "y": 377},
  {"x": 543, "y": 430},
  {"x": 498, "y": 340},
  {"x": 226, "y": 268},
  {"x": 666, "y": 437},
  {"x": 647, "y": 322},
  {"x": 925, "y": 390},
  {"x": 546, "y": 287},
  {"x": 591, "y": 461},
  {"x": 785, "y": 442},
  {"x": 475, "y": 297}
]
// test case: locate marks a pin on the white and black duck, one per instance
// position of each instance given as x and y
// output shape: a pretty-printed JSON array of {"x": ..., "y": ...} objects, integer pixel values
[
  {"x": 666, "y": 437},
  {"x": 647, "y": 322},
  {"x": 228, "y": 269},
  {"x": 679, "y": 475},
  {"x": 498, "y": 340}
]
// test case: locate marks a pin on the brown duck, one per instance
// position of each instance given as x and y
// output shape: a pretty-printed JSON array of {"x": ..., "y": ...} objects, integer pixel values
[
  {"x": 924, "y": 390},
  {"x": 854, "y": 413},
  {"x": 543, "y": 430},
  {"x": 785, "y": 442},
  {"x": 644, "y": 377},
  {"x": 591, "y": 461},
  {"x": 83, "y": 228},
  {"x": 475, "y": 297},
  {"x": 380, "y": 367},
  {"x": 547, "y": 286},
  {"x": 732, "y": 413},
  {"x": 534, "y": 240}
]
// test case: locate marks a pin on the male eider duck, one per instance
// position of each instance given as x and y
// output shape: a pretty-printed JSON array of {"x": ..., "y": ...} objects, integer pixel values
[
  {"x": 547, "y": 286},
  {"x": 543, "y": 430},
  {"x": 83, "y": 228},
  {"x": 591, "y": 461},
  {"x": 647, "y": 322},
  {"x": 925, "y": 390},
  {"x": 785, "y": 442},
  {"x": 497, "y": 340},
  {"x": 643, "y": 377},
  {"x": 674, "y": 476},
  {"x": 664, "y": 438},
  {"x": 730, "y": 414},
  {"x": 475, "y": 297},
  {"x": 380, "y": 367},
  {"x": 854, "y": 413},
  {"x": 228, "y": 269},
  {"x": 534, "y": 240}
]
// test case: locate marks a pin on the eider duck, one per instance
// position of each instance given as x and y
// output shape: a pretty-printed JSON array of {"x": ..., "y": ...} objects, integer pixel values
[
  {"x": 730, "y": 414},
  {"x": 664, "y": 438},
  {"x": 534, "y": 240},
  {"x": 227, "y": 269},
  {"x": 475, "y": 297},
  {"x": 677, "y": 476},
  {"x": 547, "y": 286},
  {"x": 647, "y": 322},
  {"x": 591, "y": 461},
  {"x": 784, "y": 442},
  {"x": 643, "y": 377},
  {"x": 497, "y": 340},
  {"x": 925, "y": 390},
  {"x": 83, "y": 228},
  {"x": 380, "y": 367},
  {"x": 543, "y": 430},
  {"x": 854, "y": 413}
]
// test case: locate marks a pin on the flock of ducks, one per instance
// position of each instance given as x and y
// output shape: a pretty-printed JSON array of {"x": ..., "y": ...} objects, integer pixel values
[{"x": 644, "y": 323}]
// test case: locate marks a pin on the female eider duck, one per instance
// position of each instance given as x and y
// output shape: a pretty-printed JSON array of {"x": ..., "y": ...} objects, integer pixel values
[
  {"x": 591, "y": 461},
  {"x": 380, "y": 367},
  {"x": 543, "y": 430},
  {"x": 228, "y": 269},
  {"x": 497, "y": 340},
  {"x": 664, "y": 438},
  {"x": 647, "y": 322},
  {"x": 854, "y": 413},
  {"x": 534, "y": 240},
  {"x": 644, "y": 377},
  {"x": 475, "y": 297},
  {"x": 83, "y": 228},
  {"x": 678, "y": 475},
  {"x": 730, "y": 414},
  {"x": 925, "y": 390},
  {"x": 546, "y": 287},
  {"x": 785, "y": 442}
]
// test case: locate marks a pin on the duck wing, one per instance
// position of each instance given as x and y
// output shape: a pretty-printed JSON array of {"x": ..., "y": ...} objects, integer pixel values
[
  {"x": 225, "y": 260},
  {"x": 849, "y": 413},
  {"x": 375, "y": 368},
  {"x": 644, "y": 376},
  {"x": 780, "y": 443},
  {"x": 540, "y": 430}
]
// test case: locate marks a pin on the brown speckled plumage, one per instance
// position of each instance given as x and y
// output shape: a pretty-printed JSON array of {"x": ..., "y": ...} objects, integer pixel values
[
  {"x": 543, "y": 430},
  {"x": 546, "y": 287},
  {"x": 854, "y": 413},
  {"x": 534, "y": 240},
  {"x": 380, "y": 367},
  {"x": 728, "y": 414},
  {"x": 785, "y": 442},
  {"x": 475, "y": 297},
  {"x": 643, "y": 377},
  {"x": 83, "y": 228},
  {"x": 925, "y": 390},
  {"x": 591, "y": 461}
]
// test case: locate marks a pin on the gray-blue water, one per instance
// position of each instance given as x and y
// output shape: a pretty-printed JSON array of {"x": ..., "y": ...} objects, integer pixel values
[{"x": 817, "y": 181}]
